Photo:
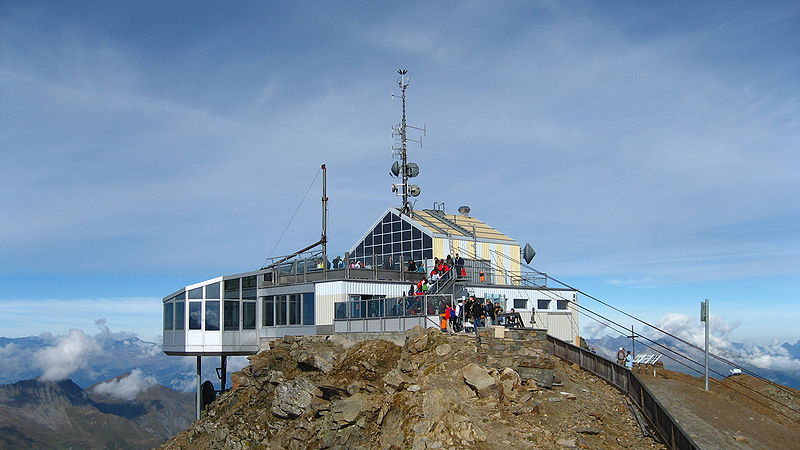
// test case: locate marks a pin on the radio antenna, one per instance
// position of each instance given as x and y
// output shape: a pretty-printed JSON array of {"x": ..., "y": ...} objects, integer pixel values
[{"x": 402, "y": 168}]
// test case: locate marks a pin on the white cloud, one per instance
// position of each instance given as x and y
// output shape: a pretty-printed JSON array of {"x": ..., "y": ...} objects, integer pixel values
[
  {"x": 770, "y": 356},
  {"x": 126, "y": 387},
  {"x": 68, "y": 355}
]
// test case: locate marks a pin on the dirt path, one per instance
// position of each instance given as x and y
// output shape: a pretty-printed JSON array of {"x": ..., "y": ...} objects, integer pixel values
[{"x": 717, "y": 422}]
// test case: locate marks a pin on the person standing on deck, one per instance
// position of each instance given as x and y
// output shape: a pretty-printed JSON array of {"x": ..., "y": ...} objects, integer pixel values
[
  {"x": 629, "y": 361},
  {"x": 621, "y": 356},
  {"x": 477, "y": 314}
]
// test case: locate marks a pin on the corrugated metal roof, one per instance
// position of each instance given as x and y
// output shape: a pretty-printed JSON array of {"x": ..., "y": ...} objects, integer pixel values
[{"x": 457, "y": 225}]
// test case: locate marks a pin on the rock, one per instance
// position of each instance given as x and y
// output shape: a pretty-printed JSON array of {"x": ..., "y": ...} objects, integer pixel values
[
  {"x": 569, "y": 443},
  {"x": 396, "y": 379},
  {"x": 346, "y": 411},
  {"x": 739, "y": 438},
  {"x": 554, "y": 399},
  {"x": 292, "y": 398},
  {"x": 569, "y": 396},
  {"x": 417, "y": 339},
  {"x": 480, "y": 380},
  {"x": 318, "y": 360},
  {"x": 413, "y": 388},
  {"x": 443, "y": 350},
  {"x": 591, "y": 431},
  {"x": 332, "y": 392},
  {"x": 274, "y": 377},
  {"x": 465, "y": 391}
]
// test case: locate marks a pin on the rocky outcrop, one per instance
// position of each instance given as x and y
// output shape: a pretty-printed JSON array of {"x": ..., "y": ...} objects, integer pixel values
[{"x": 433, "y": 391}]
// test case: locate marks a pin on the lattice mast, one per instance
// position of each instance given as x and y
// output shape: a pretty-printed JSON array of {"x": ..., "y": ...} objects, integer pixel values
[{"x": 402, "y": 168}]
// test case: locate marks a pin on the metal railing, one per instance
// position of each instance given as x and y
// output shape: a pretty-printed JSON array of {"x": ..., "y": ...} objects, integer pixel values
[
  {"x": 626, "y": 381},
  {"x": 389, "y": 314}
]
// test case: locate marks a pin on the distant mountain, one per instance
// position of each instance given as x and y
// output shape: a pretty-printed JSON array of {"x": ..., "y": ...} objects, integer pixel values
[
  {"x": 35, "y": 414},
  {"x": 787, "y": 376},
  {"x": 114, "y": 353}
]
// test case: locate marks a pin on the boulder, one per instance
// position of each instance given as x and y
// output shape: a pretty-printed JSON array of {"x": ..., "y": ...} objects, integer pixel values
[
  {"x": 318, "y": 361},
  {"x": 481, "y": 381},
  {"x": 443, "y": 350},
  {"x": 293, "y": 397},
  {"x": 346, "y": 411},
  {"x": 416, "y": 340},
  {"x": 395, "y": 380}
]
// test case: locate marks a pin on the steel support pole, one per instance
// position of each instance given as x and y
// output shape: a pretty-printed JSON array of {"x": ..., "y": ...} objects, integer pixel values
[
  {"x": 708, "y": 316},
  {"x": 199, "y": 390},
  {"x": 223, "y": 373}
]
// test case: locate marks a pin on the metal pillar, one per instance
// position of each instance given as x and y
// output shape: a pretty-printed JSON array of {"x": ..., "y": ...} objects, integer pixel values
[
  {"x": 704, "y": 318},
  {"x": 324, "y": 238},
  {"x": 223, "y": 373},
  {"x": 199, "y": 390}
]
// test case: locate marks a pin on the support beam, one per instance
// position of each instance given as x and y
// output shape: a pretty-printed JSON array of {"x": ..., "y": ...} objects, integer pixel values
[
  {"x": 224, "y": 373},
  {"x": 199, "y": 389}
]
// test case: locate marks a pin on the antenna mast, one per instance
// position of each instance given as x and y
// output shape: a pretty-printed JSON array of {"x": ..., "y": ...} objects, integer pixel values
[{"x": 402, "y": 168}]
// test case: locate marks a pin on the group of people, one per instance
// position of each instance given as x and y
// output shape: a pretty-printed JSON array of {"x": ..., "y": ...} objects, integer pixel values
[
  {"x": 478, "y": 313},
  {"x": 624, "y": 358},
  {"x": 442, "y": 270}
]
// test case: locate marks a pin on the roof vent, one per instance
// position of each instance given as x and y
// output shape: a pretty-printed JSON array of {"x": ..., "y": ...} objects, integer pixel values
[{"x": 464, "y": 210}]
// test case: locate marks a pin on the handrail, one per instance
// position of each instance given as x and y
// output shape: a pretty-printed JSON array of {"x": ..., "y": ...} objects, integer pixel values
[{"x": 660, "y": 420}]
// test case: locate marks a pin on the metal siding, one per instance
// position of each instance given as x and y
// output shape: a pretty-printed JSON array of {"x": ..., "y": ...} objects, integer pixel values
[
  {"x": 325, "y": 295},
  {"x": 438, "y": 247}
]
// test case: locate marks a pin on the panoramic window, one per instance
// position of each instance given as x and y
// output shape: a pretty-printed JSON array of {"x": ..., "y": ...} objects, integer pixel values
[
  {"x": 249, "y": 288},
  {"x": 390, "y": 241},
  {"x": 168, "y": 318},
  {"x": 231, "y": 312},
  {"x": 180, "y": 313},
  {"x": 268, "y": 311},
  {"x": 212, "y": 290},
  {"x": 195, "y": 315},
  {"x": 340, "y": 310},
  {"x": 280, "y": 309},
  {"x": 520, "y": 303},
  {"x": 249, "y": 315},
  {"x": 196, "y": 293},
  {"x": 308, "y": 308},
  {"x": 294, "y": 309},
  {"x": 561, "y": 305},
  {"x": 212, "y": 316},
  {"x": 232, "y": 289},
  {"x": 542, "y": 304}
]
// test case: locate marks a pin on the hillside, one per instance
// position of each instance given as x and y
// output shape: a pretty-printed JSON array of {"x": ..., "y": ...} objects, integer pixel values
[
  {"x": 36, "y": 414},
  {"x": 424, "y": 390}
]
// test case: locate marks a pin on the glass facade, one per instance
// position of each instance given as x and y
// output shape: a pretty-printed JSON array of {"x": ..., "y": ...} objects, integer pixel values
[
  {"x": 168, "y": 316},
  {"x": 212, "y": 316},
  {"x": 196, "y": 293},
  {"x": 212, "y": 290},
  {"x": 249, "y": 316},
  {"x": 231, "y": 313},
  {"x": 288, "y": 309},
  {"x": 195, "y": 315},
  {"x": 561, "y": 305},
  {"x": 390, "y": 240},
  {"x": 180, "y": 315},
  {"x": 520, "y": 303},
  {"x": 232, "y": 289},
  {"x": 249, "y": 287}
]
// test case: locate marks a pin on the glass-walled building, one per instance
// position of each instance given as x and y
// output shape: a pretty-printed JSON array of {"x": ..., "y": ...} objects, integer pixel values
[{"x": 235, "y": 314}]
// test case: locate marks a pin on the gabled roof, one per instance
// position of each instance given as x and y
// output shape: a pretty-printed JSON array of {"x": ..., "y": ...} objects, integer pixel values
[{"x": 457, "y": 226}]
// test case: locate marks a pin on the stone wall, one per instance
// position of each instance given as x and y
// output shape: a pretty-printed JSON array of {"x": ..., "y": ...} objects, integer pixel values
[{"x": 524, "y": 350}]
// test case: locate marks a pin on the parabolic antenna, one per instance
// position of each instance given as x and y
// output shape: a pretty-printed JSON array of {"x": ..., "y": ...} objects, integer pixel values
[{"x": 528, "y": 253}]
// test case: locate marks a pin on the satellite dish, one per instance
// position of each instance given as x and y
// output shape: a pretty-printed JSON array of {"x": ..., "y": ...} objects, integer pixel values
[
  {"x": 528, "y": 253},
  {"x": 414, "y": 190},
  {"x": 395, "y": 170},
  {"x": 412, "y": 169}
]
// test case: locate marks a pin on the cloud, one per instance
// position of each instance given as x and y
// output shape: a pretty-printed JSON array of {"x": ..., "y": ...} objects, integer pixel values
[
  {"x": 126, "y": 387},
  {"x": 70, "y": 353},
  {"x": 773, "y": 356}
]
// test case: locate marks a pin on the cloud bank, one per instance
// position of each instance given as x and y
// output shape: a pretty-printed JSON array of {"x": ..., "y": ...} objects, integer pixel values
[
  {"x": 70, "y": 353},
  {"x": 126, "y": 387}
]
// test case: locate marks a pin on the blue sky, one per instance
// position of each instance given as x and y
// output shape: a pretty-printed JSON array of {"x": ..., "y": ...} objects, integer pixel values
[{"x": 650, "y": 154}]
